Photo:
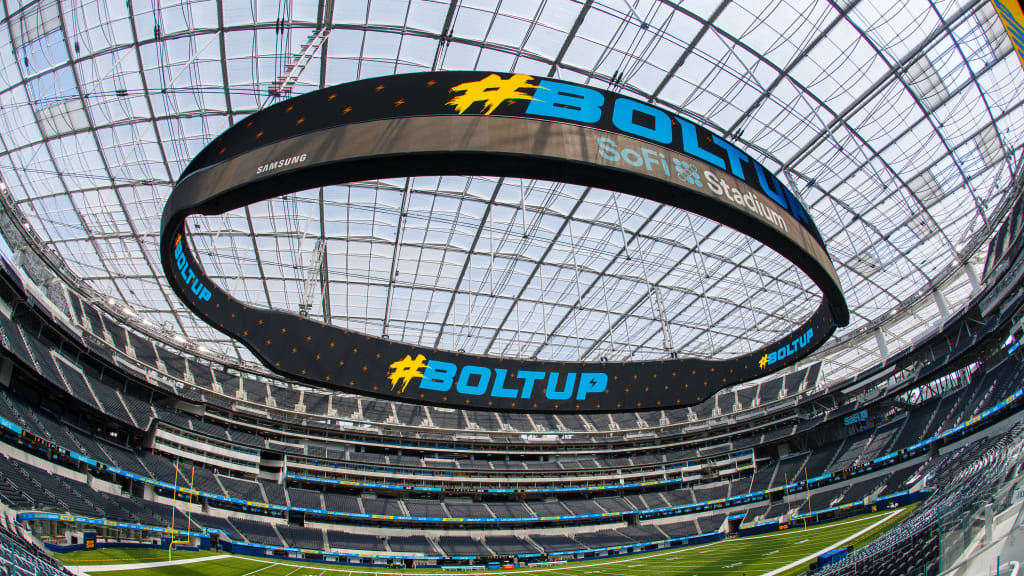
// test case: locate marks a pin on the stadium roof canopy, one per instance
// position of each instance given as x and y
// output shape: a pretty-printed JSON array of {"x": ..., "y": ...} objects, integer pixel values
[{"x": 896, "y": 124}]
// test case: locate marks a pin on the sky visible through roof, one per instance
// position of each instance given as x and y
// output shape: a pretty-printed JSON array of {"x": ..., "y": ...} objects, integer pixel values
[{"x": 897, "y": 124}]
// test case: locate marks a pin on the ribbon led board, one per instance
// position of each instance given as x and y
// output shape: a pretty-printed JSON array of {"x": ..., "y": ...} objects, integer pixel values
[{"x": 482, "y": 123}]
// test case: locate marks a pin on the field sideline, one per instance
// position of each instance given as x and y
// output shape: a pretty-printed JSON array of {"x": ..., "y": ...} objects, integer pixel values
[{"x": 782, "y": 553}]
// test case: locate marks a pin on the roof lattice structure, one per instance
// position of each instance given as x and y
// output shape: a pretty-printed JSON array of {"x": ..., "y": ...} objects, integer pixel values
[{"x": 899, "y": 126}]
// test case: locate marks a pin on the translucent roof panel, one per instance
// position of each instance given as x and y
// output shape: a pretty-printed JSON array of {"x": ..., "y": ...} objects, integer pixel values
[
  {"x": 895, "y": 123},
  {"x": 510, "y": 268}
]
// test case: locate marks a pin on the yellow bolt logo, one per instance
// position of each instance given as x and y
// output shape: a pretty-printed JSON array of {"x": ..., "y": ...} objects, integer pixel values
[
  {"x": 763, "y": 362},
  {"x": 405, "y": 370},
  {"x": 492, "y": 91}
]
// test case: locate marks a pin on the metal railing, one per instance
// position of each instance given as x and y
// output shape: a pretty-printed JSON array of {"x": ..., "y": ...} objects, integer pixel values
[
  {"x": 19, "y": 557},
  {"x": 939, "y": 532}
]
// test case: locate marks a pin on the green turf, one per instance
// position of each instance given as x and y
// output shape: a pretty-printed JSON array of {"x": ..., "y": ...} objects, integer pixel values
[
  {"x": 225, "y": 567},
  {"x": 732, "y": 557},
  {"x": 102, "y": 556}
]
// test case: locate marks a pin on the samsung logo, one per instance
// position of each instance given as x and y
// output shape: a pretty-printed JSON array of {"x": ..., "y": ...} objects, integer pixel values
[{"x": 271, "y": 166}]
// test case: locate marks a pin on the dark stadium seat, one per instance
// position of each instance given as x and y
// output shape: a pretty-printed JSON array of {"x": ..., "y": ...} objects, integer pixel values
[
  {"x": 27, "y": 555},
  {"x": 14, "y": 340},
  {"x": 285, "y": 398},
  {"x": 216, "y": 523},
  {"x": 141, "y": 412},
  {"x": 466, "y": 509},
  {"x": 509, "y": 545},
  {"x": 256, "y": 531},
  {"x": 229, "y": 383},
  {"x": 375, "y": 411},
  {"x": 241, "y": 489},
  {"x": 549, "y": 509},
  {"x": 305, "y": 498},
  {"x": 174, "y": 364},
  {"x": 556, "y": 542},
  {"x": 709, "y": 524},
  {"x": 245, "y": 438},
  {"x": 210, "y": 429},
  {"x": 315, "y": 403},
  {"x": 769, "y": 391},
  {"x": 582, "y": 506},
  {"x": 91, "y": 319},
  {"x": 42, "y": 358},
  {"x": 775, "y": 434},
  {"x": 255, "y": 392},
  {"x": 383, "y": 505},
  {"x": 162, "y": 468},
  {"x": 275, "y": 493},
  {"x": 745, "y": 397},
  {"x": 859, "y": 490},
  {"x": 345, "y": 406},
  {"x": 342, "y": 502},
  {"x": 413, "y": 543},
  {"x": 650, "y": 419},
  {"x": 79, "y": 388},
  {"x": 748, "y": 441},
  {"x": 898, "y": 480},
  {"x": 200, "y": 373},
  {"x": 484, "y": 420},
  {"x": 641, "y": 534},
  {"x": 343, "y": 540},
  {"x": 410, "y": 415},
  {"x": 505, "y": 509},
  {"x": 790, "y": 469},
  {"x": 819, "y": 460},
  {"x": 679, "y": 497},
  {"x": 302, "y": 537},
  {"x": 726, "y": 402},
  {"x": 709, "y": 493},
  {"x": 821, "y": 499},
  {"x": 463, "y": 546},
  {"x": 850, "y": 451},
  {"x": 26, "y": 487},
  {"x": 112, "y": 403}
]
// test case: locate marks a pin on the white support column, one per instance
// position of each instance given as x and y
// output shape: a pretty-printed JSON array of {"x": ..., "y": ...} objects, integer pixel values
[
  {"x": 988, "y": 523},
  {"x": 940, "y": 302},
  {"x": 972, "y": 277},
  {"x": 883, "y": 348}
]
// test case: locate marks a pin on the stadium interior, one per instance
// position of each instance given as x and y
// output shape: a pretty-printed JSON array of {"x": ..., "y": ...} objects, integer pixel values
[{"x": 125, "y": 419}]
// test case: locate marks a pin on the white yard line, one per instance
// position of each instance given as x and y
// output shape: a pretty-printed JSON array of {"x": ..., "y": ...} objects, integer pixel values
[
  {"x": 84, "y": 570},
  {"x": 296, "y": 570},
  {"x": 262, "y": 569},
  {"x": 598, "y": 564},
  {"x": 849, "y": 538}
]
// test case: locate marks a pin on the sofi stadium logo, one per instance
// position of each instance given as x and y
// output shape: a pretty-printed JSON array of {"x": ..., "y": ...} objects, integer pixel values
[
  {"x": 687, "y": 174},
  {"x": 187, "y": 275},
  {"x": 495, "y": 383},
  {"x": 788, "y": 350},
  {"x": 583, "y": 105},
  {"x": 650, "y": 161}
]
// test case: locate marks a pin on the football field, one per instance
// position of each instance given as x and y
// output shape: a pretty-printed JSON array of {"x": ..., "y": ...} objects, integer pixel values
[{"x": 780, "y": 553}]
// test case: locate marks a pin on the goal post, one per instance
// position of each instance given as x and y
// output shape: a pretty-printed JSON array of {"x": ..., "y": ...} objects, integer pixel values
[{"x": 174, "y": 509}]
